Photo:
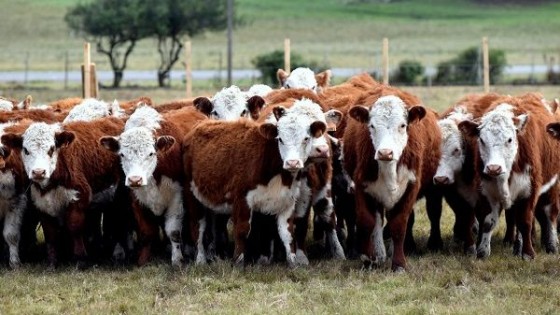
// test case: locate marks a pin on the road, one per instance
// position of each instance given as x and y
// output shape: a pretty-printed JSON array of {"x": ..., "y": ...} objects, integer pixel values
[{"x": 134, "y": 75}]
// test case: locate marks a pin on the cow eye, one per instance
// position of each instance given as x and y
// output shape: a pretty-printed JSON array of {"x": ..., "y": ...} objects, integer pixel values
[
  {"x": 456, "y": 151},
  {"x": 121, "y": 155},
  {"x": 25, "y": 151},
  {"x": 151, "y": 154},
  {"x": 280, "y": 140},
  {"x": 372, "y": 127},
  {"x": 244, "y": 112},
  {"x": 314, "y": 87},
  {"x": 403, "y": 126},
  {"x": 305, "y": 139},
  {"x": 51, "y": 151},
  {"x": 509, "y": 140},
  {"x": 214, "y": 113},
  {"x": 482, "y": 142}
]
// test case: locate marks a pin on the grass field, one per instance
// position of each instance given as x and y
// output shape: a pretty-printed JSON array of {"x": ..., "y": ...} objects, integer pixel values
[{"x": 329, "y": 31}]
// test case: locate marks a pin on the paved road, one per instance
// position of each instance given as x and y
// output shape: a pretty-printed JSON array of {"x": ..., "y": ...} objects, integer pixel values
[{"x": 133, "y": 75}]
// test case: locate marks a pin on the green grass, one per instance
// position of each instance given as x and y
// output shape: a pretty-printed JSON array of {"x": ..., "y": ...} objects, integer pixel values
[{"x": 330, "y": 31}]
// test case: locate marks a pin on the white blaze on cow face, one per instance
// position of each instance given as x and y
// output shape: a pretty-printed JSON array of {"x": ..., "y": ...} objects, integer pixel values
[
  {"x": 388, "y": 127},
  {"x": 229, "y": 104},
  {"x": 40, "y": 149},
  {"x": 497, "y": 141},
  {"x": 137, "y": 148},
  {"x": 144, "y": 116},
  {"x": 89, "y": 109},
  {"x": 452, "y": 148},
  {"x": 301, "y": 78}
]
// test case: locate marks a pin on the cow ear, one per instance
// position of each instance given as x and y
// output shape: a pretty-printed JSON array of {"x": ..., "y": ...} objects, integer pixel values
[
  {"x": 323, "y": 79},
  {"x": 63, "y": 138},
  {"x": 203, "y": 105},
  {"x": 360, "y": 114},
  {"x": 12, "y": 140},
  {"x": 268, "y": 131},
  {"x": 553, "y": 130},
  {"x": 554, "y": 106},
  {"x": 317, "y": 129},
  {"x": 469, "y": 128},
  {"x": 254, "y": 105},
  {"x": 333, "y": 118},
  {"x": 520, "y": 122},
  {"x": 164, "y": 143},
  {"x": 27, "y": 102},
  {"x": 416, "y": 113},
  {"x": 282, "y": 76},
  {"x": 279, "y": 111},
  {"x": 110, "y": 143}
]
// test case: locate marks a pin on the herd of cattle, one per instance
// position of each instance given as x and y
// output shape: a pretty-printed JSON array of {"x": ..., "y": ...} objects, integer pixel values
[{"x": 101, "y": 178}]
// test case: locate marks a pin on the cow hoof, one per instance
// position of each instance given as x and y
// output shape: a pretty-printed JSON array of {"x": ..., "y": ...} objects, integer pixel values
[
  {"x": 81, "y": 264},
  {"x": 398, "y": 269},
  {"x": 178, "y": 263},
  {"x": 483, "y": 252},
  {"x": 435, "y": 244},
  {"x": 301, "y": 259},
  {"x": 201, "y": 259},
  {"x": 291, "y": 260},
  {"x": 551, "y": 248},
  {"x": 240, "y": 260},
  {"x": 471, "y": 251},
  {"x": 51, "y": 268},
  {"x": 517, "y": 248},
  {"x": 527, "y": 257},
  {"x": 15, "y": 264},
  {"x": 367, "y": 264},
  {"x": 119, "y": 255},
  {"x": 263, "y": 261}
]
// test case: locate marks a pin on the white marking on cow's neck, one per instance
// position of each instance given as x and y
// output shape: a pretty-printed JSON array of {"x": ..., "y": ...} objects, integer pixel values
[
  {"x": 159, "y": 198},
  {"x": 506, "y": 191},
  {"x": 274, "y": 197},
  {"x": 390, "y": 184},
  {"x": 224, "y": 208},
  {"x": 55, "y": 201}
]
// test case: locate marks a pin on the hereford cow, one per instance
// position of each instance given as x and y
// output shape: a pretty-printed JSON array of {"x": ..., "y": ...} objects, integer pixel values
[
  {"x": 230, "y": 104},
  {"x": 304, "y": 78},
  {"x": 67, "y": 170},
  {"x": 216, "y": 155},
  {"x": 11, "y": 104},
  {"x": 517, "y": 166},
  {"x": 391, "y": 151},
  {"x": 152, "y": 164}
]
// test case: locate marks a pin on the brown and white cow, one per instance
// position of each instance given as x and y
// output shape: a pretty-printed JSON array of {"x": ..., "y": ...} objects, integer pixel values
[
  {"x": 517, "y": 167},
  {"x": 230, "y": 104},
  {"x": 304, "y": 78},
  {"x": 391, "y": 151},
  {"x": 152, "y": 163},
  {"x": 239, "y": 167},
  {"x": 67, "y": 169}
]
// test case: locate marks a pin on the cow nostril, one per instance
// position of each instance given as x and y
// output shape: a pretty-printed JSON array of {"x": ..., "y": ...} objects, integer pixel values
[{"x": 39, "y": 172}]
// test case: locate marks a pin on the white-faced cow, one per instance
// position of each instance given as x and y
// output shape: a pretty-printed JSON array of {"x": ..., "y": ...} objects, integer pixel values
[
  {"x": 391, "y": 151},
  {"x": 240, "y": 167},
  {"x": 152, "y": 164},
  {"x": 230, "y": 104},
  {"x": 304, "y": 78},
  {"x": 517, "y": 166}
]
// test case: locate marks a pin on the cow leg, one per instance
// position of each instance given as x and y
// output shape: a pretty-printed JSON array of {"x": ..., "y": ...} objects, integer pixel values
[
  {"x": 434, "y": 200},
  {"x": 350, "y": 218},
  {"x": 75, "y": 220},
  {"x": 286, "y": 236},
  {"x": 409, "y": 242},
  {"x": 365, "y": 223},
  {"x": 12, "y": 232},
  {"x": 241, "y": 227},
  {"x": 524, "y": 221},
  {"x": 173, "y": 225},
  {"x": 323, "y": 207},
  {"x": 301, "y": 222},
  {"x": 489, "y": 222},
  {"x": 380, "y": 253},
  {"x": 147, "y": 231},
  {"x": 397, "y": 222},
  {"x": 50, "y": 227},
  {"x": 509, "y": 237},
  {"x": 201, "y": 255},
  {"x": 546, "y": 212}
]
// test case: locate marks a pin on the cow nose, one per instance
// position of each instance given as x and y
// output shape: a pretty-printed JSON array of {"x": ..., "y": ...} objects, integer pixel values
[
  {"x": 442, "y": 180},
  {"x": 293, "y": 164},
  {"x": 135, "y": 181},
  {"x": 385, "y": 155},
  {"x": 323, "y": 150},
  {"x": 39, "y": 173},
  {"x": 493, "y": 169}
]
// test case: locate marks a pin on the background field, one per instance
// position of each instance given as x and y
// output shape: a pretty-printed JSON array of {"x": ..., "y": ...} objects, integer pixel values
[{"x": 343, "y": 36}]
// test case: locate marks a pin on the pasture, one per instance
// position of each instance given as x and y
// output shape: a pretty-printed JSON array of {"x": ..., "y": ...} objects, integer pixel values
[{"x": 444, "y": 282}]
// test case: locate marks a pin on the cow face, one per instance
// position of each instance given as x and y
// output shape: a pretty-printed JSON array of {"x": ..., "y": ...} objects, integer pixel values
[
  {"x": 300, "y": 78},
  {"x": 230, "y": 104},
  {"x": 388, "y": 122},
  {"x": 40, "y": 145},
  {"x": 295, "y": 134},
  {"x": 452, "y": 152},
  {"x": 497, "y": 138},
  {"x": 138, "y": 150}
]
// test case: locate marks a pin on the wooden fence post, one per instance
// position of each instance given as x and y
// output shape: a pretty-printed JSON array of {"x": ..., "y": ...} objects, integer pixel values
[
  {"x": 385, "y": 61},
  {"x": 486, "y": 65},
  {"x": 86, "y": 70},
  {"x": 287, "y": 65},
  {"x": 188, "y": 68}
]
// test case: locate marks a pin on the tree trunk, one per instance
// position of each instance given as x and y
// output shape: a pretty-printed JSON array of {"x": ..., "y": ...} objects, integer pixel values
[
  {"x": 163, "y": 78},
  {"x": 117, "y": 78}
]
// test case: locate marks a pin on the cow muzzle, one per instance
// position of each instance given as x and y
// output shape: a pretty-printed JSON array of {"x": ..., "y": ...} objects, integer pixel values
[
  {"x": 38, "y": 174},
  {"x": 493, "y": 170},
  {"x": 134, "y": 181},
  {"x": 442, "y": 180},
  {"x": 384, "y": 155},
  {"x": 293, "y": 165}
]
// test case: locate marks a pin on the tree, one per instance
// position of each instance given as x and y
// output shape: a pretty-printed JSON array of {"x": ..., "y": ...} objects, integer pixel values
[
  {"x": 174, "y": 19},
  {"x": 114, "y": 25}
]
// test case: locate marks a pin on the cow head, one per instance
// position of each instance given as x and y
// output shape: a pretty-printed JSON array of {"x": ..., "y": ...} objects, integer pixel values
[
  {"x": 497, "y": 138},
  {"x": 138, "y": 150},
  {"x": 230, "y": 104},
  {"x": 388, "y": 121},
  {"x": 294, "y": 133},
  {"x": 40, "y": 145},
  {"x": 304, "y": 78},
  {"x": 452, "y": 148}
]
